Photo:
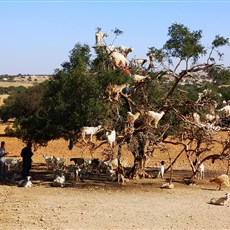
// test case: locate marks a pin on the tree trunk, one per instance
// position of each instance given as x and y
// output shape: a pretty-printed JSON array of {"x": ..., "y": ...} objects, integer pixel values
[{"x": 138, "y": 151}]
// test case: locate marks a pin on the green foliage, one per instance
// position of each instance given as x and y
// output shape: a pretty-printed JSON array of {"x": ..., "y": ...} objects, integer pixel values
[
  {"x": 220, "y": 41},
  {"x": 118, "y": 32},
  {"x": 192, "y": 92},
  {"x": 12, "y": 90},
  {"x": 220, "y": 76},
  {"x": 74, "y": 98},
  {"x": 79, "y": 58},
  {"x": 225, "y": 92},
  {"x": 184, "y": 44},
  {"x": 24, "y": 103}
]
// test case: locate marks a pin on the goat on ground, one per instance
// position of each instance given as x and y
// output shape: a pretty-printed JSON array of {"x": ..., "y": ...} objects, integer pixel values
[
  {"x": 93, "y": 165},
  {"x": 112, "y": 163},
  {"x": 59, "y": 162},
  {"x": 79, "y": 161},
  {"x": 11, "y": 162},
  {"x": 49, "y": 161},
  {"x": 201, "y": 171},
  {"x": 221, "y": 180},
  {"x": 59, "y": 181},
  {"x": 221, "y": 201},
  {"x": 25, "y": 183},
  {"x": 162, "y": 170}
]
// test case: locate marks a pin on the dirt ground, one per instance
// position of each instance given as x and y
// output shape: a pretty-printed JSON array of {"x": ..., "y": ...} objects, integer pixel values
[{"x": 138, "y": 204}]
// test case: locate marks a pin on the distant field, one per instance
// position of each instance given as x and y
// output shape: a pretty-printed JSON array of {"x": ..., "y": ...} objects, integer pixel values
[{"x": 16, "y": 84}]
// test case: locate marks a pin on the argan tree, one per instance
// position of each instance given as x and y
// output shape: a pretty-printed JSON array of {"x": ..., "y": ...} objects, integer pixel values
[{"x": 78, "y": 96}]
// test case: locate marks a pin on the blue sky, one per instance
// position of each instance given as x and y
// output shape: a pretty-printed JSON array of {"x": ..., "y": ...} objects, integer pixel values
[{"x": 37, "y": 36}]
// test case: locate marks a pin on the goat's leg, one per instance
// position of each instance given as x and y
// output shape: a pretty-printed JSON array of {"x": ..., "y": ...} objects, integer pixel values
[{"x": 83, "y": 137}]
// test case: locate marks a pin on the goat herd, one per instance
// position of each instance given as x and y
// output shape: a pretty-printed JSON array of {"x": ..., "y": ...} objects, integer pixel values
[
  {"x": 80, "y": 169},
  {"x": 107, "y": 170}
]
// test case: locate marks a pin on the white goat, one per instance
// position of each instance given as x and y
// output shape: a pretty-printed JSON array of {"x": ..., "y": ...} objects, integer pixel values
[
  {"x": 58, "y": 162},
  {"x": 112, "y": 163},
  {"x": 151, "y": 60},
  {"x": 201, "y": 171},
  {"x": 110, "y": 49},
  {"x": 99, "y": 36},
  {"x": 139, "y": 78},
  {"x": 50, "y": 162},
  {"x": 132, "y": 118},
  {"x": 119, "y": 60},
  {"x": 115, "y": 90},
  {"x": 203, "y": 95},
  {"x": 196, "y": 118},
  {"x": 25, "y": 183},
  {"x": 154, "y": 116},
  {"x": 111, "y": 137},
  {"x": 162, "y": 170},
  {"x": 221, "y": 201},
  {"x": 11, "y": 162},
  {"x": 225, "y": 110},
  {"x": 90, "y": 131},
  {"x": 125, "y": 50},
  {"x": 139, "y": 62},
  {"x": 59, "y": 181},
  {"x": 212, "y": 119}
]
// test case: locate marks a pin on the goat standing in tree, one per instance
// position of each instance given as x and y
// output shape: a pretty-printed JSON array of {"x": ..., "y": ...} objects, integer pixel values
[
  {"x": 154, "y": 116},
  {"x": 99, "y": 36},
  {"x": 132, "y": 118}
]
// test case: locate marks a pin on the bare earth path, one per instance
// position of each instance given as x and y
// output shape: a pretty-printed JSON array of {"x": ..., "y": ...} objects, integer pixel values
[{"x": 136, "y": 205}]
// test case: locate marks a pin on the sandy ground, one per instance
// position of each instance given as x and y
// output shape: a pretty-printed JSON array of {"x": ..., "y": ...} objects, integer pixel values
[{"x": 138, "y": 204}]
